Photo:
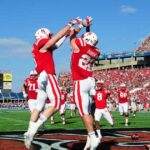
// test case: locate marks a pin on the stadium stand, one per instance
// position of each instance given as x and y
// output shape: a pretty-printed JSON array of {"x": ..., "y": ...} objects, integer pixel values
[
  {"x": 145, "y": 46},
  {"x": 12, "y": 100},
  {"x": 136, "y": 79}
]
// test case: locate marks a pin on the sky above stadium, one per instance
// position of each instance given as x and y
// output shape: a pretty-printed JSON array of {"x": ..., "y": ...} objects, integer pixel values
[{"x": 120, "y": 24}]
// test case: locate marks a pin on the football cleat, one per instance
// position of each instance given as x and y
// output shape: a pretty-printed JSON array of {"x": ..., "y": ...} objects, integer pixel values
[
  {"x": 52, "y": 122},
  {"x": 94, "y": 142},
  {"x": 63, "y": 122},
  {"x": 28, "y": 140},
  {"x": 87, "y": 145}
]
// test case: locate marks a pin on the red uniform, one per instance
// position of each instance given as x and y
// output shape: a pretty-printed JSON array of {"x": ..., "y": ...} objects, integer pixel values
[
  {"x": 123, "y": 95},
  {"x": 100, "y": 99},
  {"x": 32, "y": 88},
  {"x": 72, "y": 100},
  {"x": 81, "y": 66},
  {"x": 63, "y": 97},
  {"x": 81, "y": 62},
  {"x": 44, "y": 61},
  {"x": 46, "y": 70}
]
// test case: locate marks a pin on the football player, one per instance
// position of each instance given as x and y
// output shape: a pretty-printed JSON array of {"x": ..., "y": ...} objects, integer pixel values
[
  {"x": 30, "y": 88},
  {"x": 43, "y": 48},
  {"x": 123, "y": 98},
  {"x": 84, "y": 53},
  {"x": 100, "y": 99},
  {"x": 72, "y": 104},
  {"x": 62, "y": 110},
  {"x": 134, "y": 105}
]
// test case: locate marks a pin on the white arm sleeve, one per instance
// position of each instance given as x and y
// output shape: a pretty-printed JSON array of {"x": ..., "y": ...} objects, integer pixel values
[{"x": 60, "y": 42}]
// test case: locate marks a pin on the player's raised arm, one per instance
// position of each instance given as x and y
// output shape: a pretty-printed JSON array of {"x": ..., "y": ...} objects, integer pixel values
[
  {"x": 51, "y": 43},
  {"x": 85, "y": 23}
]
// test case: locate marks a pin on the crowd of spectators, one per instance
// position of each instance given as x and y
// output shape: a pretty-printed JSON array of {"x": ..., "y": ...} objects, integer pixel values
[
  {"x": 137, "y": 81},
  {"x": 145, "y": 46},
  {"x": 65, "y": 80},
  {"x": 13, "y": 105}
]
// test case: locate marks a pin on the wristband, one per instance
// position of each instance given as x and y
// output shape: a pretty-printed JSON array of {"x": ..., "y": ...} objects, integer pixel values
[
  {"x": 80, "y": 26},
  {"x": 69, "y": 24}
]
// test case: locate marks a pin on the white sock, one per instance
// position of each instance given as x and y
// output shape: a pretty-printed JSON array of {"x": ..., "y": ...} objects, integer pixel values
[
  {"x": 126, "y": 121},
  {"x": 99, "y": 133},
  {"x": 35, "y": 126},
  {"x": 92, "y": 134},
  {"x": 43, "y": 126},
  {"x": 31, "y": 123},
  {"x": 41, "y": 120},
  {"x": 52, "y": 118},
  {"x": 94, "y": 141}
]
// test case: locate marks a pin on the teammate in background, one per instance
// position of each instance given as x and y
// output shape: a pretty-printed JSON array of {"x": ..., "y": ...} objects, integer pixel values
[
  {"x": 62, "y": 107},
  {"x": 100, "y": 99},
  {"x": 62, "y": 110},
  {"x": 29, "y": 90},
  {"x": 84, "y": 53},
  {"x": 43, "y": 49},
  {"x": 133, "y": 105},
  {"x": 123, "y": 98},
  {"x": 72, "y": 104},
  {"x": 109, "y": 104}
]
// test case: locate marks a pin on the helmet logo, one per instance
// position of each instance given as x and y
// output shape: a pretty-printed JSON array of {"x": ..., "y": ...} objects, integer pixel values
[{"x": 43, "y": 31}]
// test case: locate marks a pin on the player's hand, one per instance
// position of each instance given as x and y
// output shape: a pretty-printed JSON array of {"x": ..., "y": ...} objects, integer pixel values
[
  {"x": 87, "y": 21},
  {"x": 75, "y": 21},
  {"x": 25, "y": 95},
  {"x": 70, "y": 32}
]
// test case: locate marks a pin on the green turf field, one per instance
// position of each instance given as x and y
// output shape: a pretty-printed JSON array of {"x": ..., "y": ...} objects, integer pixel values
[{"x": 17, "y": 120}]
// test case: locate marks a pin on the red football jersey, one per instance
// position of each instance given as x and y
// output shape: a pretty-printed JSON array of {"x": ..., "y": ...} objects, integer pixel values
[
  {"x": 72, "y": 101},
  {"x": 71, "y": 98},
  {"x": 63, "y": 97},
  {"x": 44, "y": 61},
  {"x": 81, "y": 62},
  {"x": 123, "y": 95},
  {"x": 100, "y": 99},
  {"x": 32, "y": 88}
]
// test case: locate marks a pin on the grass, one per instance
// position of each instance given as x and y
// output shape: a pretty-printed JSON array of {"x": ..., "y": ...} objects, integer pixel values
[{"x": 17, "y": 120}]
